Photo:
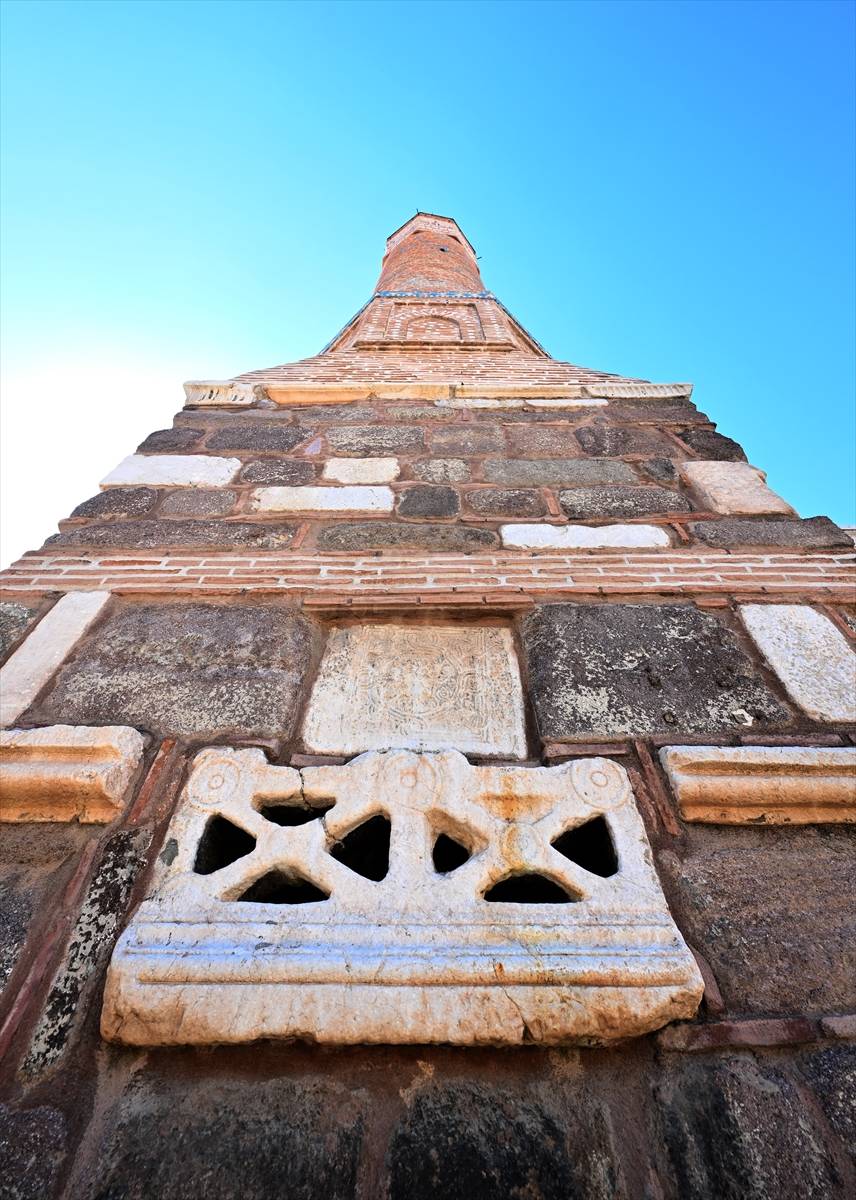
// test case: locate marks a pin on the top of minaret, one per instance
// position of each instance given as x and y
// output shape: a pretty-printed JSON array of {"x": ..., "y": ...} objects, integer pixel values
[{"x": 429, "y": 256}]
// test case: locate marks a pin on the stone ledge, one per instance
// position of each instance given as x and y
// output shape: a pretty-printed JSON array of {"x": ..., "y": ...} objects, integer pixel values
[{"x": 774, "y": 785}]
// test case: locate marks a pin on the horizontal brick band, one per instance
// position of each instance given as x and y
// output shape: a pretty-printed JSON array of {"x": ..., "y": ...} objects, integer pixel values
[{"x": 475, "y": 578}]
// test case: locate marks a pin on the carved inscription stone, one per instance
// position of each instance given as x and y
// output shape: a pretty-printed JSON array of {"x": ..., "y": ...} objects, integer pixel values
[{"x": 419, "y": 687}]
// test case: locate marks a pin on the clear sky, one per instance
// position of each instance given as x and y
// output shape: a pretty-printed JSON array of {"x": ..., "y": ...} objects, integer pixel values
[{"x": 193, "y": 190}]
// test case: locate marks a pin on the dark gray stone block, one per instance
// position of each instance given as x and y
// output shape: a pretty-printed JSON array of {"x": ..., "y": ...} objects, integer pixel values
[
  {"x": 812, "y": 533},
  {"x": 542, "y": 441},
  {"x": 506, "y": 502},
  {"x": 15, "y": 619},
  {"x": 188, "y": 670},
  {"x": 567, "y": 472},
  {"x": 171, "y": 441},
  {"x": 467, "y": 440},
  {"x": 661, "y": 470},
  {"x": 373, "y": 441},
  {"x": 379, "y": 535},
  {"x": 441, "y": 470},
  {"x": 618, "y": 670},
  {"x": 33, "y": 1143},
  {"x": 118, "y": 502},
  {"x": 709, "y": 444},
  {"x": 260, "y": 436},
  {"x": 608, "y": 441},
  {"x": 278, "y": 472},
  {"x": 199, "y": 502},
  {"x": 167, "y": 534},
  {"x": 427, "y": 501},
  {"x": 621, "y": 502},
  {"x": 832, "y": 1075}
]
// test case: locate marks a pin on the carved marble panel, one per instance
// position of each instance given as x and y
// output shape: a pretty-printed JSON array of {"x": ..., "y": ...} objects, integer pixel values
[
  {"x": 419, "y": 687},
  {"x": 401, "y": 898}
]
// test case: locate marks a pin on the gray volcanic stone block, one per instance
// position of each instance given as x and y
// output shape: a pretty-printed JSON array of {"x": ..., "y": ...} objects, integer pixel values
[
  {"x": 506, "y": 502},
  {"x": 607, "y": 441},
  {"x": 423, "y": 500},
  {"x": 569, "y": 472},
  {"x": 661, "y": 470},
  {"x": 279, "y": 472},
  {"x": 180, "y": 1138},
  {"x": 467, "y": 440},
  {"x": 34, "y": 1146},
  {"x": 709, "y": 444},
  {"x": 199, "y": 502},
  {"x": 119, "y": 502},
  {"x": 375, "y": 440},
  {"x": 14, "y": 620},
  {"x": 635, "y": 669},
  {"x": 547, "y": 441},
  {"x": 441, "y": 470},
  {"x": 165, "y": 441},
  {"x": 380, "y": 535},
  {"x": 736, "y": 1128},
  {"x": 772, "y": 910},
  {"x": 187, "y": 670},
  {"x": 259, "y": 436},
  {"x": 154, "y": 535},
  {"x": 325, "y": 413},
  {"x": 621, "y": 502},
  {"x": 832, "y": 1075},
  {"x": 811, "y": 533}
]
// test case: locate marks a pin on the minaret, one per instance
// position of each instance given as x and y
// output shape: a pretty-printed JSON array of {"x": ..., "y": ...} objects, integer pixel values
[{"x": 429, "y": 692}]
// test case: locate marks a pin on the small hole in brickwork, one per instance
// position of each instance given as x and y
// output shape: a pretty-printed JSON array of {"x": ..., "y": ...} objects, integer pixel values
[
  {"x": 365, "y": 850},
  {"x": 294, "y": 814},
  {"x": 278, "y": 888},
  {"x": 448, "y": 854},
  {"x": 590, "y": 846},
  {"x": 222, "y": 843},
  {"x": 527, "y": 889}
]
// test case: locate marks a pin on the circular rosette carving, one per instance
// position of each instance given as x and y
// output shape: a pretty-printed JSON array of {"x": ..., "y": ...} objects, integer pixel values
[
  {"x": 215, "y": 780},
  {"x": 600, "y": 782}
]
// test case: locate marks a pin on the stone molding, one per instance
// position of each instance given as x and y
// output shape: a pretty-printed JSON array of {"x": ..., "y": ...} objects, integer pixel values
[
  {"x": 416, "y": 956},
  {"x": 200, "y": 393},
  {"x": 67, "y": 772},
  {"x": 772, "y": 785}
]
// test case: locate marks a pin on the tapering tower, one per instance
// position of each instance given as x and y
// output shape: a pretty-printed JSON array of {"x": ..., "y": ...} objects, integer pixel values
[{"x": 434, "y": 692}]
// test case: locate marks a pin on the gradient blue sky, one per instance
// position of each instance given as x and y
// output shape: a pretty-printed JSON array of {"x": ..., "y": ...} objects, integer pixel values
[{"x": 198, "y": 189}]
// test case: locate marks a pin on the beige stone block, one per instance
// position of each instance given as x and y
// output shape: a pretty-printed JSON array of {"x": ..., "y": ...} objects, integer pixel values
[
  {"x": 322, "y": 499},
  {"x": 291, "y": 394},
  {"x": 772, "y": 785},
  {"x": 732, "y": 487},
  {"x": 200, "y": 393},
  {"x": 173, "y": 470},
  {"x": 459, "y": 401},
  {"x": 67, "y": 772},
  {"x": 420, "y": 687},
  {"x": 810, "y": 655},
  {"x": 361, "y": 470},
  {"x": 421, "y": 950},
  {"x": 33, "y": 664},
  {"x": 575, "y": 537}
]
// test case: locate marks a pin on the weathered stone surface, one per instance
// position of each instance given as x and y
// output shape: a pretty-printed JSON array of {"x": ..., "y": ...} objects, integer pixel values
[
  {"x": 832, "y": 1075},
  {"x": 773, "y": 908},
  {"x": 34, "y": 1143},
  {"x": 810, "y": 655},
  {"x": 609, "y": 441},
  {"x": 229, "y": 1137},
  {"x": 712, "y": 445},
  {"x": 378, "y": 535},
  {"x": 661, "y": 470},
  {"x": 314, "y": 414},
  {"x": 151, "y": 535},
  {"x": 322, "y": 499},
  {"x": 424, "y": 500},
  {"x": 780, "y": 785},
  {"x": 188, "y": 669},
  {"x": 570, "y": 472},
  {"x": 118, "y": 502},
  {"x": 402, "y": 948},
  {"x": 420, "y": 412},
  {"x": 420, "y": 687},
  {"x": 635, "y": 669},
  {"x": 262, "y": 435},
  {"x": 732, "y": 1128},
  {"x": 14, "y": 621},
  {"x": 467, "y": 440},
  {"x": 375, "y": 440},
  {"x": 180, "y": 470},
  {"x": 621, "y": 502},
  {"x": 100, "y": 916},
  {"x": 171, "y": 441},
  {"x": 732, "y": 487},
  {"x": 441, "y": 470},
  {"x": 198, "y": 502},
  {"x": 227, "y": 393},
  {"x": 361, "y": 470},
  {"x": 811, "y": 533},
  {"x": 67, "y": 772},
  {"x": 26, "y": 672},
  {"x": 506, "y": 502},
  {"x": 282, "y": 472},
  {"x": 542, "y": 441},
  {"x": 567, "y": 537}
]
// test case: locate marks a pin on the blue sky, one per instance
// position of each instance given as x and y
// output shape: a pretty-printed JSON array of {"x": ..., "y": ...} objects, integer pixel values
[{"x": 198, "y": 189}]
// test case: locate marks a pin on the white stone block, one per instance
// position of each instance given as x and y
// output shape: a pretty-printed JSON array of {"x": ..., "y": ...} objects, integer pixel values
[
  {"x": 732, "y": 487},
  {"x": 200, "y": 393},
  {"x": 361, "y": 470},
  {"x": 417, "y": 954},
  {"x": 67, "y": 772},
  {"x": 419, "y": 687},
  {"x": 772, "y": 785},
  {"x": 558, "y": 402},
  {"x": 322, "y": 499},
  {"x": 809, "y": 654},
  {"x": 581, "y": 537},
  {"x": 26, "y": 672},
  {"x": 173, "y": 470}
]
